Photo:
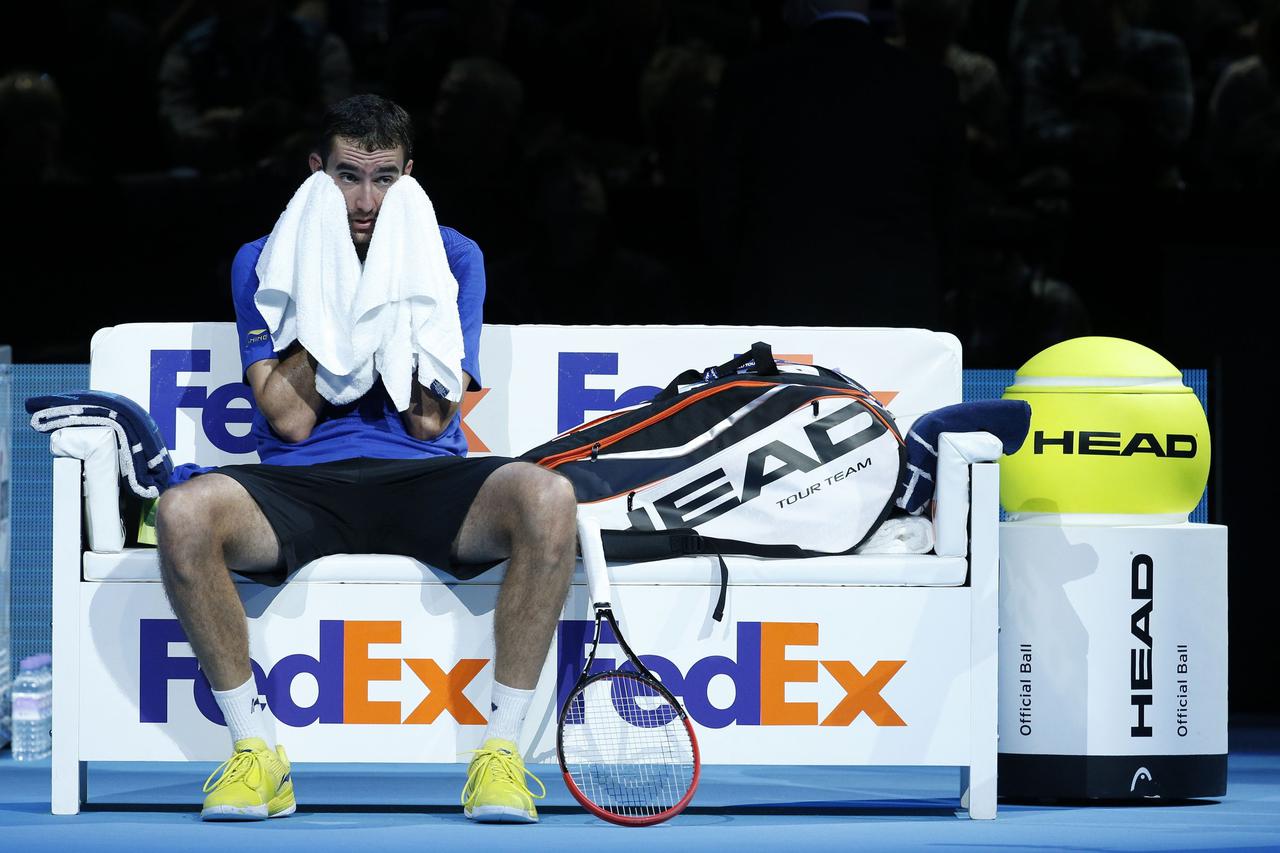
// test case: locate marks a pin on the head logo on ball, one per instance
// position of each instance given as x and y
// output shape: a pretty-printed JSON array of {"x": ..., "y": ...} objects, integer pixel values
[{"x": 1116, "y": 437}]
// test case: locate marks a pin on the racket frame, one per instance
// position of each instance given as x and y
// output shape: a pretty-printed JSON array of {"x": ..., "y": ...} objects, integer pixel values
[{"x": 599, "y": 589}]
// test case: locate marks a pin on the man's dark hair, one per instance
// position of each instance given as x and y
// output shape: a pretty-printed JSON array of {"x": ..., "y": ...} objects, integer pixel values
[{"x": 370, "y": 121}]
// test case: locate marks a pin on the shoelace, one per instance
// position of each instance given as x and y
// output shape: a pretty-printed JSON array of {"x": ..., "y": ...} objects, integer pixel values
[
  {"x": 503, "y": 766},
  {"x": 242, "y": 763}
]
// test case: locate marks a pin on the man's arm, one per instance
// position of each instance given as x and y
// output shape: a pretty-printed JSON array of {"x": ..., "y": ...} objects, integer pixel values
[
  {"x": 285, "y": 390},
  {"x": 429, "y": 415}
]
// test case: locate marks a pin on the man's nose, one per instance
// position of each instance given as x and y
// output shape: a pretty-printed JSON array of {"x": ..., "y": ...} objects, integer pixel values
[{"x": 365, "y": 198}]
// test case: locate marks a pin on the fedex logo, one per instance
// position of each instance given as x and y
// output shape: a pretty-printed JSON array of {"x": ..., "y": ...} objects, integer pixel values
[
  {"x": 227, "y": 404},
  {"x": 232, "y": 403},
  {"x": 573, "y": 396},
  {"x": 760, "y": 672},
  {"x": 343, "y": 672}
]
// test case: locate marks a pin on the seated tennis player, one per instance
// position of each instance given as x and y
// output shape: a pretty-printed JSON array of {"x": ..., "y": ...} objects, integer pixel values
[{"x": 363, "y": 478}]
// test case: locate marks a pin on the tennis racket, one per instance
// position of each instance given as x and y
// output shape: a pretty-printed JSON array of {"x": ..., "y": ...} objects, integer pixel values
[{"x": 626, "y": 746}]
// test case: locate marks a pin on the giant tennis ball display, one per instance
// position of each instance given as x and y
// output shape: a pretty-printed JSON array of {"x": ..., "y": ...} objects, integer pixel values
[{"x": 1113, "y": 432}]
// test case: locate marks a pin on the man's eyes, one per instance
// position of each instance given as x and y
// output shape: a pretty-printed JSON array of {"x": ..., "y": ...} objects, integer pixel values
[{"x": 381, "y": 180}]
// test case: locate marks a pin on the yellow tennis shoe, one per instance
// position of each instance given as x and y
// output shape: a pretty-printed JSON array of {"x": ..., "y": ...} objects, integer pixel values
[
  {"x": 496, "y": 791},
  {"x": 255, "y": 784}
]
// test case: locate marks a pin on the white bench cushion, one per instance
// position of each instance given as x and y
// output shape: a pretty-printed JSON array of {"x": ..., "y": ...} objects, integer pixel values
[{"x": 141, "y": 564}]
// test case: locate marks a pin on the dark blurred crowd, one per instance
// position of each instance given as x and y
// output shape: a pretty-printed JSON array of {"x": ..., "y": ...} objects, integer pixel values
[{"x": 827, "y": 162}]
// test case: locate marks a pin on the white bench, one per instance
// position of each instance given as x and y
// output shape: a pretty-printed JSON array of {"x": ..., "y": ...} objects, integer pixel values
[{"x": 864, "y": 660}]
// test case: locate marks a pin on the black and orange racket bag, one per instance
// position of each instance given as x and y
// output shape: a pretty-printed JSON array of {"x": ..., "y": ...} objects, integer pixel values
[{"x": 754, "y": 456}]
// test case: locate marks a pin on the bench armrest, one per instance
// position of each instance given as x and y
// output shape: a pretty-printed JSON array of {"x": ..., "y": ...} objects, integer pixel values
[
  {"x": 95, "y": 447},
  {"x": 956, "y": 452}
]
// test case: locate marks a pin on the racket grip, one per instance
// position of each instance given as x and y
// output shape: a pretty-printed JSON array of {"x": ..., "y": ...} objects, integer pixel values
[{"x": 593, "y": 558}]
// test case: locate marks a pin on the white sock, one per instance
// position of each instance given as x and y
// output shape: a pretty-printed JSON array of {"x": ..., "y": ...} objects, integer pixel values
[
  {"x": 245, "y": 712},
  {"x": 507, "y": 709}
]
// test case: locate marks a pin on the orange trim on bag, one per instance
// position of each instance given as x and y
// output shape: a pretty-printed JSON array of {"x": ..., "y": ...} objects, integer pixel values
[
  {"x": 569, "y": 455},
  {"x": 589, "y": 424},
  {"x": 875, "y": 412},
  {"x": 585, "y": 450}
]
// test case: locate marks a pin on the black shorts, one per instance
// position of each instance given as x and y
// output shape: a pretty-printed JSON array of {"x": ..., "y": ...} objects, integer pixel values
[{"x": 413, "y": 507}]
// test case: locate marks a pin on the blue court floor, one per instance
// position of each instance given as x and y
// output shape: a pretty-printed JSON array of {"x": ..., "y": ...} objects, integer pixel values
[{"x": 138, "y": 807}]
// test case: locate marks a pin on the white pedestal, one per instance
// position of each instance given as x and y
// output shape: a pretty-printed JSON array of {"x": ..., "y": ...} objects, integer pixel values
[{"x": 1113, "y": 661}]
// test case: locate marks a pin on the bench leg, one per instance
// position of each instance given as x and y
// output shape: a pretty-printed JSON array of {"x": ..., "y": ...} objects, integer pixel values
[
  {"x": 978, "y": 792},
  {"x": 69, "y": 776},
  {"x": 70, "y": 786},
  {"x": 978, "y": 779}
]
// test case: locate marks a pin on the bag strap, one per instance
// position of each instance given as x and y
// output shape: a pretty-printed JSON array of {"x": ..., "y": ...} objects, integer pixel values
[
  {"x": 640, "y": 546},
  {"x": 761, "y": 353},
  {"x": 644, "y": 545}
]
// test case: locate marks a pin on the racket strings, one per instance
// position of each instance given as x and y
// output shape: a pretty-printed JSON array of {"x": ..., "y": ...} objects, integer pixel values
[{"x": 626, "y": 747}]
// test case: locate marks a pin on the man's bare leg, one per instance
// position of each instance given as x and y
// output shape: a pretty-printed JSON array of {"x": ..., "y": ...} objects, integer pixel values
[
  {"x": 203, "y": 527},
  {"x": 527, "y": 513}
]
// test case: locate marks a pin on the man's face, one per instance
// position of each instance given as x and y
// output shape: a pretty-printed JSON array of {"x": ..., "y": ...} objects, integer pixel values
[{"x": 364, "y": 178}]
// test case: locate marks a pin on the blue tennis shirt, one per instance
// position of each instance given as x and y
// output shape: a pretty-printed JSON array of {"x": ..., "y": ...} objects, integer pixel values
[{"x": 370, "y": 426}]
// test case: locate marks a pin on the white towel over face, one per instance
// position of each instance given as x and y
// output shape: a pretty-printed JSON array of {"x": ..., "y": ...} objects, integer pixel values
[{"x": 395, "y": 318}]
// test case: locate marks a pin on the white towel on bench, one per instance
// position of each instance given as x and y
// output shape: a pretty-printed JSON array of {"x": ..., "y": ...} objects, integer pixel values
[
  {"x": 900, "y": 535},
  {"x": 393, "y": 317}
]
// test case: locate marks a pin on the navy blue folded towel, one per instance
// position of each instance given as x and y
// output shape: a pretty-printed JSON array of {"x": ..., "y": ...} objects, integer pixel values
[
  {"x": 144, "y": 459},
  {"x": 1007, "y": 420}
]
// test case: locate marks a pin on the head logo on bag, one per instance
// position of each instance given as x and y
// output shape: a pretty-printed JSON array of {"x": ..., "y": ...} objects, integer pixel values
[
  {"x": 749, "y": 457},
  {"x": 700, "y": 501}
]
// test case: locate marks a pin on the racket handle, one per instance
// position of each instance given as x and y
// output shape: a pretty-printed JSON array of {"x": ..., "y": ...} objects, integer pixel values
[{"x": 593, "y": 559}]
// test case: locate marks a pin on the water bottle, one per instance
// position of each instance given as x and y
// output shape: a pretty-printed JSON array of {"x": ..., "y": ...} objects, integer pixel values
[
  {"x": 6, "y": 683},
  {"x": 33, "y": 709}
]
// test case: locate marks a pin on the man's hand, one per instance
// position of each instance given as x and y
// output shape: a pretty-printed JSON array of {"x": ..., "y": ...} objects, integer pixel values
[
  {"x": 285, "y": 390},
  {"x": 429, "y": 414}
]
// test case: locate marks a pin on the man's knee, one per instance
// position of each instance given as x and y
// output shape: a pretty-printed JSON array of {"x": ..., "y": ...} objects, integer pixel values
[
  {"x": 545, "y": 502},
  {"x": 186, "y": 518},
  {"x": 548, "y": 496}
]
